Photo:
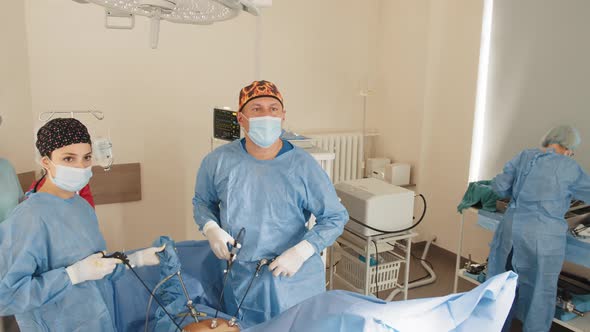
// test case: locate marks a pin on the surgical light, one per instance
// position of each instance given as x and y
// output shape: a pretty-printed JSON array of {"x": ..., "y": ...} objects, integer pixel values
[{"x": 199, "y": 12}]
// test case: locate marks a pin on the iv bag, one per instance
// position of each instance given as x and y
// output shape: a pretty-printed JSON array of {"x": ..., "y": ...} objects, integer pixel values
[{"x": 102, "y": 152}]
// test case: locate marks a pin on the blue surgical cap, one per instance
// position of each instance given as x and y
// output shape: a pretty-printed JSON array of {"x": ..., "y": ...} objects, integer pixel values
[{"x": 566, "y": 136}]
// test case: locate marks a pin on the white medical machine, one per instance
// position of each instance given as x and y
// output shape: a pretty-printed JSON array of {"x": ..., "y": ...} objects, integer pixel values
[
  {"x": 376, "y": 167},
  {"x": 381, "y": 168},
  {"x": 376, "y": 204}
]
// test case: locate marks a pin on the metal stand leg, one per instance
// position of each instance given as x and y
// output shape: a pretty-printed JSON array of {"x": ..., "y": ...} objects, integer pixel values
[
  {"x": 368, "y": 268},
  {"x": 458, "y": 263},
  {"x": 407, "y": 269}
]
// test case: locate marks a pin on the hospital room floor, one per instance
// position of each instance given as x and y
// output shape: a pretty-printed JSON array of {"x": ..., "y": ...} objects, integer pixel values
[{"x": 444, "y": 267}]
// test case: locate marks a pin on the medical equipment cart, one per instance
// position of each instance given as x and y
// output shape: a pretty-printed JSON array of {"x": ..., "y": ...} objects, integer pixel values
[{"x": 368, "y": 276}]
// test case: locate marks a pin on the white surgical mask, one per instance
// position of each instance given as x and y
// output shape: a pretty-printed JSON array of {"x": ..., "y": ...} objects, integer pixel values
[
  {"x": 264, "y": 130},
  {"x": 70, "y": 179}
]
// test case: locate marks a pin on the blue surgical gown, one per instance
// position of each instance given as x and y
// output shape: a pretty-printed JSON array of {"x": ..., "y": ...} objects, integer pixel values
[
  {"x": 272, "y": 200},
  {"x": 44, "y": 235},
  {"x": 11, "y": 192},
  {"x": 541, "y": 186}
]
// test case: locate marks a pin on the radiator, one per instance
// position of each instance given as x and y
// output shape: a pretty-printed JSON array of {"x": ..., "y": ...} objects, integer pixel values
[{"x": 348, "y": 150}]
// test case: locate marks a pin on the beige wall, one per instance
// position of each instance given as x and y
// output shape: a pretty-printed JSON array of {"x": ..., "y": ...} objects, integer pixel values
[
  {"x": 397, "y": 102},
  {"x": 158, "y": 103},
  {"x": 16, "y": 140},
  {"x": 420, "y": 59},
  {"x": 454, "y": 44},
  {"x": 424, "y": 104}
]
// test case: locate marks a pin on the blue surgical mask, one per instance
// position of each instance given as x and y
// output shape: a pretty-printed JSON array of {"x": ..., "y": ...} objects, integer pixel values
[
  {"x": 264, "y": 130},
  {"x": 70, "y": 179}
]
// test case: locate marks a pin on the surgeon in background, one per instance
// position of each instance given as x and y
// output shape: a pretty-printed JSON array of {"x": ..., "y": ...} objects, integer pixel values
[
  {"x": 269, "y": 187},
  {"x": 531, "y": 239},
  {"x": 52, "y": 270},
  {"x": 11, "y": 194}
]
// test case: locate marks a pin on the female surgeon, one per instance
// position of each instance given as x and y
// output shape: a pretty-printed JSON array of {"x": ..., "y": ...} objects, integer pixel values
[
  {"x": 531, "y": 239},
  {"x": 52, "y": 270}
]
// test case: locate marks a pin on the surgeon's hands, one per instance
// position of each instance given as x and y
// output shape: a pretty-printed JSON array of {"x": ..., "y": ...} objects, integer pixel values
[
  {"x": 145, "y": 257},
  {"x": 289, "y": 262},
  {"x": 218, "y": 239},
  {"x": 93, "y": 267}
]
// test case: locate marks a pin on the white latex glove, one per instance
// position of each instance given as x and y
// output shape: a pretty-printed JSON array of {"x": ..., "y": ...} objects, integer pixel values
[
  {"x": 218, "y": 239},
  {"x": 145, "y": 257},
  {"x": 93, "y": 267},
  {"x": 289, "y": 262}
]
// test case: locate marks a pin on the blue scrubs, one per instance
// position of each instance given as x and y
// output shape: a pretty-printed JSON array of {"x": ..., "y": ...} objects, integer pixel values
[
  {"x": 11, "y": 192},
  {"x": 541, "y": 185},
  {"x": 44, "y": 235},
  {"x": 272, "y": 200}
]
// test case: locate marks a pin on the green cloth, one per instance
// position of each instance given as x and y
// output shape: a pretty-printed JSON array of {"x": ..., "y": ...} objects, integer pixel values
[
  {"x": 479, "y": 192},
  {"x": 11, "y": 192}
]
